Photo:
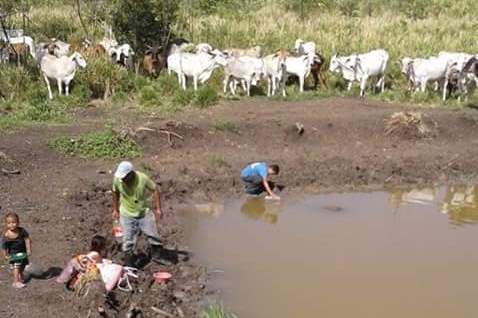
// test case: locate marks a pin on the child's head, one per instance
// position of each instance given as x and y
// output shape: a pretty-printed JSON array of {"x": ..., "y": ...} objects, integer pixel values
[
  {"x": 98, "y": 244},
  {"x": 12, "y": 221},
  {"x": 274, "y": 169}
]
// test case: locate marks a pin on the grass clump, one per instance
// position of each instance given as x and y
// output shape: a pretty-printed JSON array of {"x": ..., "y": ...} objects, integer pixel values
[
  {"x": 205, "y": 97},
  {"x": 95, "y": 145},
  {"x": 226, "y": 125},
  {"x": 216, "y": 161},
  {"x": 216, "y": 311}
]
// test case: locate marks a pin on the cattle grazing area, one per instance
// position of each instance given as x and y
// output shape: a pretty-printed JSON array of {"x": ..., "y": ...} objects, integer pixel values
[
  {"x": 344, "y": 95},
  {"x": 119, "y": 70}
]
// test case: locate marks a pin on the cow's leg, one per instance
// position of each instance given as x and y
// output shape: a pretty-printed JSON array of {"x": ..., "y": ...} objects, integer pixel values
[
  {"x": 423, "y": 85},
  {"x": 248, "y": 87},
  {"x": 67, "y": 88},
  {"x": 381, "y": 84},
  {"x": 270, "y": 80},
  {"x": 50, "y": 95},
  {"x": 301, "y": 83},
  {"x": 363, "y": 86},
  {"x": 183, "y": 81},
  {"x": 445, "y": 88},
  {"x": 195, "y": 80},
  {"x": 225, "y": 82},
  {"x": 59, "y": 82},
  {"x": 349, "y": 86}
]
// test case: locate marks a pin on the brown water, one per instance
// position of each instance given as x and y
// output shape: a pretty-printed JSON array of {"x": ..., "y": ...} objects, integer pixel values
[{"x": 399, "y": 254}]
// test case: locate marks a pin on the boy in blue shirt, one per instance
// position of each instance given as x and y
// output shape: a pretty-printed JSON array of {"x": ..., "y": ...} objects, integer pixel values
[{"x": 254, "y": 176}]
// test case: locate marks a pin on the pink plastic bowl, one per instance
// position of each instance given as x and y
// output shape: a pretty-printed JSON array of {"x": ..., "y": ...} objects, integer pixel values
[{"x": 161, "y": 277}]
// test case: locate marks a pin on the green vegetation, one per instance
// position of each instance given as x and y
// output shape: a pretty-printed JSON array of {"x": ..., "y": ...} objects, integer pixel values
[
  {"x": 416, "y": 28},
  {"x": 216, "y": 311},
  {"x": 226, "y": 125},
  {"x": 216, "y": 161},
  {"x": 106, "y": 144}
]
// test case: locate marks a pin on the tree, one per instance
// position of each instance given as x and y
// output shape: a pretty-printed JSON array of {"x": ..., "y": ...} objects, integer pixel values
[{"x": 142, "y": 23}]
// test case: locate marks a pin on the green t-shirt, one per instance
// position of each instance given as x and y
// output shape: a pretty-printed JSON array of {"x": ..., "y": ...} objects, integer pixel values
[{"x": 133, "y": 200}]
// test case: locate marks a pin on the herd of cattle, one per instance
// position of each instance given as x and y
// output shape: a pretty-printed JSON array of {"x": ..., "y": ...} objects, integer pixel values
[{"x": 246, "y": 67}]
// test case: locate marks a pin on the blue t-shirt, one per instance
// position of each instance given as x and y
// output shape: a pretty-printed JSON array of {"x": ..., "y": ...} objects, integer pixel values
[{"x": 258, "y": 169}]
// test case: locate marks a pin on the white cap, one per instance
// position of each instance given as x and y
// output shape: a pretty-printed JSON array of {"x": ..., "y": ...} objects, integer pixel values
[{"x": 123, "y": 169}]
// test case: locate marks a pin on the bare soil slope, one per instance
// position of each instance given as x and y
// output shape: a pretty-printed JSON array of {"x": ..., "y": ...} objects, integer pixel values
[{"x": 64, "y": 201}]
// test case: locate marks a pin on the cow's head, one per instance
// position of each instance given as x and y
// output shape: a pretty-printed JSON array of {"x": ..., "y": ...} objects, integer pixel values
[
  {"x": 334, "y": 65},
  {"x": 219, "y": 57},
  {"x": 154, "y": 53},
  {"x": 78, "y": 58},
  {"x": 404, "y": 64}
]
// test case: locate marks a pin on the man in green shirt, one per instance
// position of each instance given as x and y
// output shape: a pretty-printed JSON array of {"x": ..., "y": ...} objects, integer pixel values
[{"x": 131, "y": 190}]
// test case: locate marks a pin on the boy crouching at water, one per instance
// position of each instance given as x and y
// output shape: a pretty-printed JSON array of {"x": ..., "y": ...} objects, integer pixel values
[
  {"x": 16, "y": 246},
  {"x": 254, "y": 176}
]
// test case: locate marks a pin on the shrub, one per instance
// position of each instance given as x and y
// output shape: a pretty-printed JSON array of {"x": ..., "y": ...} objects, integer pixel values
[
  {"x": 14, "y": 82},
  {"x": 102, "y": 77},
  {"x": 107, "y": 144},
  {"x": 205, "y": 97}
]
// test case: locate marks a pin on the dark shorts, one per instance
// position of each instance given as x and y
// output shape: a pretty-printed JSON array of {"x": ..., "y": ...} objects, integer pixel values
[
  {"x": 253, "y": 185},
  {"x": 19, "y": 264}
]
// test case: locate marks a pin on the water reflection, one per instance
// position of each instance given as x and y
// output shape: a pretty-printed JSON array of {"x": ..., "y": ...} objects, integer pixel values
[
  {"x": 399, "y": 198},
  {"x": 210, "y": 209},
  {"x": 259, "y": 209},
  {"x": 461, "y": 204}
]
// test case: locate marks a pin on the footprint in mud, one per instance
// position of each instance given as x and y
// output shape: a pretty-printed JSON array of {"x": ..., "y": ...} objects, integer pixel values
[{"x": 332, "y": 208}]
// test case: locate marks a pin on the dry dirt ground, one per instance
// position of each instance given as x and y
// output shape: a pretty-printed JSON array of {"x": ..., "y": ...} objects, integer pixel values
[{"x": 64, "y": 201}]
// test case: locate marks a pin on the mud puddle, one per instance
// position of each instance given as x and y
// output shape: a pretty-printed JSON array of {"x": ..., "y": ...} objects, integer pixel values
[{"x": 382, "y": 254}]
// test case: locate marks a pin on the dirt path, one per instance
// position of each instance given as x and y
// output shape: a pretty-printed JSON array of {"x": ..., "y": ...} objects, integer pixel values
[{"x": 63, "y": 201}]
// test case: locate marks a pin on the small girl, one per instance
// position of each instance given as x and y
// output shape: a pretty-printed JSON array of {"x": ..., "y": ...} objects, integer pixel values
[
  {"x": 83, "y": 262},
  {"x": 16, "y": 246},
  {"x": 92, "y": 263}
]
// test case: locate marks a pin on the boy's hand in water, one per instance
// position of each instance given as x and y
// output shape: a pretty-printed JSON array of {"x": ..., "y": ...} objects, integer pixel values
[{"x": 272, "y": 197}]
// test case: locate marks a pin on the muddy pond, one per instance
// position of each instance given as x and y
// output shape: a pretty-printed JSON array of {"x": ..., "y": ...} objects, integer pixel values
[{"x": 380, "y": 254}]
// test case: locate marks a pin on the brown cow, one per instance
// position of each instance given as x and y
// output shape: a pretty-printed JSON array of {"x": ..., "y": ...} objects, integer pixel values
[
  {"x": 18, "y": 52},
  {"x": 154, "y": 61},
  {"x": 316, "y": 70}
]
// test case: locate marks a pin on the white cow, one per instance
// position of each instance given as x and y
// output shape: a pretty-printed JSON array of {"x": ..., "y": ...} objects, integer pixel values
[
  {"x": 456, "y": 68},
  {"x": 122, "y": 55},
  {"x": 245, "y": 69},
  {"x": 359, "y": 67},
  {"x": 420, "y": 71},
  {"x": 109, "y": 44},
  {"x": 298, "y": 66},
  {"x": 304, "y": 48},
  {"x": 275, "y": 67},
  {"x": 62, "y": 69},
  {"x": 199, "y": 66}
]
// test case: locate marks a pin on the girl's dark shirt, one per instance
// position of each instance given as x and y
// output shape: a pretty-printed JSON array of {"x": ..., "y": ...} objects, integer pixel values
[{"x": 16, "y": 245}]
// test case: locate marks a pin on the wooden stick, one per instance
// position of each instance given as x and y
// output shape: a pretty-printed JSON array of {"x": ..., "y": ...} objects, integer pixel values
[{"x": 161, "y": 312}]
